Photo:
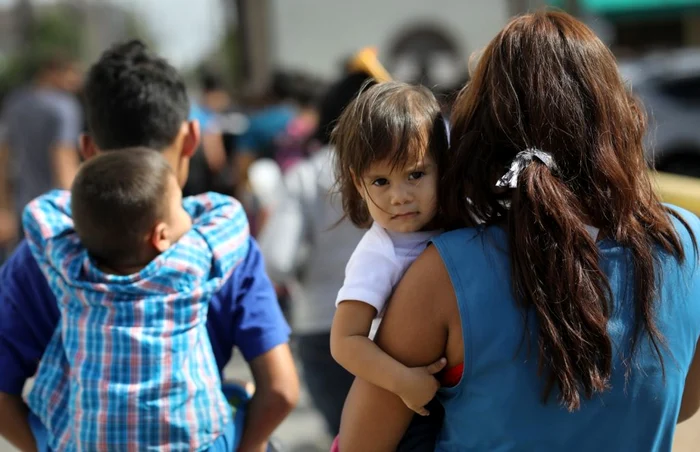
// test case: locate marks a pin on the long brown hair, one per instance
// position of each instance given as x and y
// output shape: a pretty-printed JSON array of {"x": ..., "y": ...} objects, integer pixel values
[{"x": 547, "y": 82}]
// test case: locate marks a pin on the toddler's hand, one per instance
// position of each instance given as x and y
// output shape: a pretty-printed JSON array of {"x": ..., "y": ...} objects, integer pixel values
[{"x": 419, "y": 386}]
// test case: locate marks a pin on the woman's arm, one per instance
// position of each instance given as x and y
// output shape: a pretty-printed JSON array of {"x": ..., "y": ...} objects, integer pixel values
[
  {"x": 690, "y": 403},
  {"x": 421, "y": 325}
]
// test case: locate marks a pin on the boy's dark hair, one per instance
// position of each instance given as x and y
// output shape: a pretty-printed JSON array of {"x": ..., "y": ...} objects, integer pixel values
[
  {"x": 116, "y": 198},
  {"x": 386, "y": 122},
  {"x": 134, "y": 98}
]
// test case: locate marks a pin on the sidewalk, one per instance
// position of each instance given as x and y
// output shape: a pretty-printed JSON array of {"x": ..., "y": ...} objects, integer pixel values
[{"x": 303, "y": 430}]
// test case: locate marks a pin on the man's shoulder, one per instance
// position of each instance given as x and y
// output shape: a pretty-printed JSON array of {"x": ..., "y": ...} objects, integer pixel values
[
  {"x": 248, "y": 265},
  {"x": 21, "y": 259},
  {"x": 28, "y": 317},
  {"x": 20, "y": 274}
]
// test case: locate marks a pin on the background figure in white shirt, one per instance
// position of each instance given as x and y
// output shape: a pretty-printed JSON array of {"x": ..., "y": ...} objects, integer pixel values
[
  {"x": 390, "y": 143},
  {"x": 307, "y": 250}
]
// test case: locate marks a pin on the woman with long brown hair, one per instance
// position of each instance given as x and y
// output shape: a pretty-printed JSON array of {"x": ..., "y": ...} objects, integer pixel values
[{"x": 567, "y": 291}]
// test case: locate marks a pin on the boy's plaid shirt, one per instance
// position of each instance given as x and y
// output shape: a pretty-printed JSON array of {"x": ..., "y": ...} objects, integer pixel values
[{"x": 142, "y": 375}]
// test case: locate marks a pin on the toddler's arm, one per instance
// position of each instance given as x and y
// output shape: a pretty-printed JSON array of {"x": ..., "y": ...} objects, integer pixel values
[
  {"x": 353, "y": 350},
  {"x": 369, "y": 278}
]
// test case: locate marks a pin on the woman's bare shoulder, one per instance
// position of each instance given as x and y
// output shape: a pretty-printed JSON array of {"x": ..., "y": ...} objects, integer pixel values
[{"x": 420, "y": 313}]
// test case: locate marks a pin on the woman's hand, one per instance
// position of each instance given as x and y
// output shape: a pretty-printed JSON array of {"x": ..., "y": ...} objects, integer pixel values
[{"x": 419, "y": 385}]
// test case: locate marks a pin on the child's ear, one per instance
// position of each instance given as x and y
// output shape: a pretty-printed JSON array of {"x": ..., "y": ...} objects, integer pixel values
[
  {"x": 358, "y": 185},
  {"x": 160, "y": 237}
]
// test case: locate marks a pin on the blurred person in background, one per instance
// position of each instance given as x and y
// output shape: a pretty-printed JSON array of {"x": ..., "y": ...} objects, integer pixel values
[
  {"x": 307, "y": 249},
  {"x": 267, "y": 121},
  {"x": 277, "y": 129},
  {"x": 291, "y": 146},
  {"x": 135, "y": 98},
  {"x": 41, "y": 123},
  {"x": 210, "y": 162},
  {"x": 294, "y": 143}
]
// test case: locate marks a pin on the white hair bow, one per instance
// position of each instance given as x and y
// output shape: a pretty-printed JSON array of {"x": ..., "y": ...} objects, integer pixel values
[{"x": 520, "y": 162}]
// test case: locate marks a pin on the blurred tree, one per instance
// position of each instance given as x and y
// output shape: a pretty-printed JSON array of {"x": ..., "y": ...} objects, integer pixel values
[
  {"x": 226, "y": 58},
  {"x": 231, "y": 54},
  {"x": 24, "y": 19},
  {"x": 57, "y": 30},
  {"x": 76, "y": 30},
  {"x": 42, "y": 33},
  {"x": 137, "y": 29},
  {"x": 231, "y": 43}
]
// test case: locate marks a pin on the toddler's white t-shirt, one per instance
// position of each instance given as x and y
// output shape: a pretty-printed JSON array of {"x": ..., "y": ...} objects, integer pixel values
[{"x": 378, "y": 263}]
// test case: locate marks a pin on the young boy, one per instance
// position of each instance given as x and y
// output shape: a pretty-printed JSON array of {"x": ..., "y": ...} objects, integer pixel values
[{"x": 133, "y": 267}]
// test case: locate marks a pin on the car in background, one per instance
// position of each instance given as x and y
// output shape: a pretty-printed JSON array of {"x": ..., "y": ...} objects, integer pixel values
[{"x": 668, "y": 84}]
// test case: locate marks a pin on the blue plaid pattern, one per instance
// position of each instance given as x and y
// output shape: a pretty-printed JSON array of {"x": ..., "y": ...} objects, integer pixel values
[{"x": 130, "y": 366}]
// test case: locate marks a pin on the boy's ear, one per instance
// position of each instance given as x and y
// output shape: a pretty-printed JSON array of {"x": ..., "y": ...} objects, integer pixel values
[
  {"x": 88, "y": 149},
  {"x": 160, "y": 237},
  {"x": 192, "y": 138}
]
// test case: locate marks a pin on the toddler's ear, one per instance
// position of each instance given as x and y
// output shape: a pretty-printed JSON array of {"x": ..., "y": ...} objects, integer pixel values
[
  {"x": 161, "y": 237},
  {"x": 359, "y": 186}
]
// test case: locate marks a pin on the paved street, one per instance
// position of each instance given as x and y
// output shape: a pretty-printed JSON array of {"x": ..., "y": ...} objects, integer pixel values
[{"x": 303, "y": 430}]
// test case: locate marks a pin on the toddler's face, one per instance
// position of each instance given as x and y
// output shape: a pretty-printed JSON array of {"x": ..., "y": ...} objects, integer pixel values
[{"x": 401, "y": 199}]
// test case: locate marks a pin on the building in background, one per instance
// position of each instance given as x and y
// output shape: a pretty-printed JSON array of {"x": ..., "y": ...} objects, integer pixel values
[{"x": 418, "y": 40}]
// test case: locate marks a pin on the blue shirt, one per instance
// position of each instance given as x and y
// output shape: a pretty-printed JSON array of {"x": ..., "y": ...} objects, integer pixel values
[
  {"x": 263, "y": 128},
  {"x": 141, "y": 369},
  {"x": 245, "y": 313},
  {"x": 205, "y": 117},
  {"x": 497, "y": 406}
]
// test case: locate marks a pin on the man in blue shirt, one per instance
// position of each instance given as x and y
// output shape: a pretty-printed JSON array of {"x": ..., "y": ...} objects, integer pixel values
[{"x": 134, "y": 98}]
